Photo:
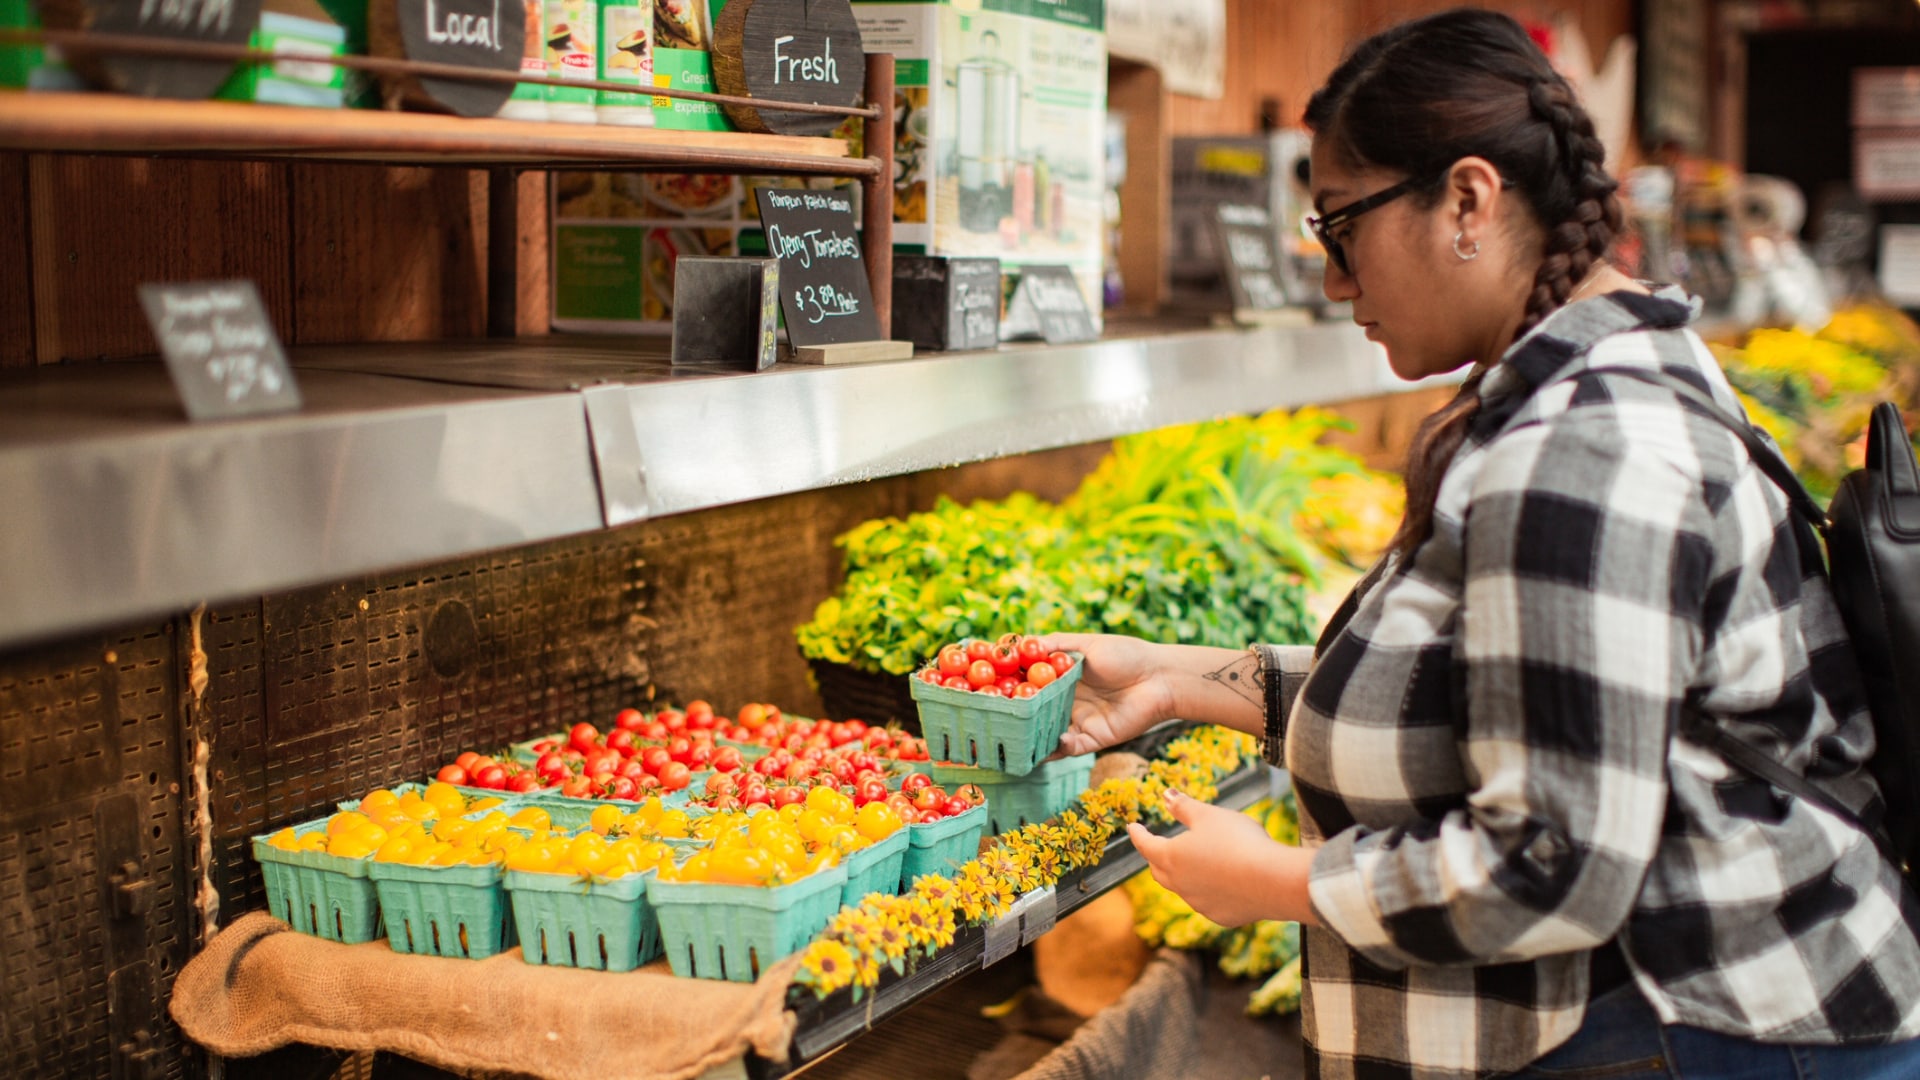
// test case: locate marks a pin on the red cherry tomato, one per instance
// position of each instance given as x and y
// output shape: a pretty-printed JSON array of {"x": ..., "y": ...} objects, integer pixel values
[
  {"x": 858, "y": 727},
  {"x": 583, "y": 737},
  {"x": 522, "y": 782},
  {"x": 576, "y": 787},
  {"x": 787, "y": 796},
  {"x": 1025, "y": 690},
  {"x": 925, "y": 817},
  {"x": 699, "y": 706},
  {"x": 1006, "y": 685},
  {"x": 646, "y": 785},
  {"x": 629, "y": 720},
  {"x": 633, "y": 769},
  {"x": 929, "y": 798},
  {"x": 676, "y": 723},
  {"x": 1041, "y": 674},
  {"x": 551, "y": 767},
  {"x": 726, "y": 759},
  {"x": 753, "y": 793},
  {"x": 873, "y": 789},
  {"x": 915, "y": 781},
  {"x": 957, "y": 682},
  {"x": 680, "y": 749},
  {"x": 972, "y": 793},
  {"x": 800, "y": 770},
  {"x": 843, "y": 771},
  {"x": 701, "y": 721},
  {"x": 877, "y": 739},
  {"x": 700, "y": 757},
  {"x": 675, "y": 776},
  {"x": 1060, "y": 661},
  {"x": 655, "y": 731},
  {"x": 451, "y": 774},
  {"x": 902, "y": 805},
  {"x": 955, "y": 806},
  {"x": 1005, "y": 661},
  {"x": 722, "y": 784},
  {"x": 491, "y": 777},
  {"x": 621, "y": 740},
  {"x": 980, "y": 650},
  {"x": 952, "y": 661},
  {"x": 1030, "y": 651},
  {"x": 466, "y": 760},
  {"x": 655, "y": 758},
  {"x": 981, "y": 673}
]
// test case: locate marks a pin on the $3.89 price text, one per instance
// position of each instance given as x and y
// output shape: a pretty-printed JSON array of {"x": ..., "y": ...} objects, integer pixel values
[{"x": 818, "y": 303}]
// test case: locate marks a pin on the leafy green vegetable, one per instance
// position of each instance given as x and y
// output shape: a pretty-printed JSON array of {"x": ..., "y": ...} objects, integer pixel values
[{"x": 1183, "y": 534}]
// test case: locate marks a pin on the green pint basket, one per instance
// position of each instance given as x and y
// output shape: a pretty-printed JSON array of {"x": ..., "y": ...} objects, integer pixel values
[
  {"x": 567, "y": 922},
  {"x": 1013, "y": 801},
  {"x": 939, "y": 847},
  {"x": 456, "y": 911},
  {"x": 324, "y": 895},
  {"x": 735, "y": 932},
  {"x": 1011, "y": 735},
  {"x": 876, "y": 868}
]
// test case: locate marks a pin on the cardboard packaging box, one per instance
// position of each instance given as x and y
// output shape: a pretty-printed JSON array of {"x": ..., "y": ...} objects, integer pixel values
[
  {"x": 293, "y": 29},
  {"x": 1000, "y": 114}
]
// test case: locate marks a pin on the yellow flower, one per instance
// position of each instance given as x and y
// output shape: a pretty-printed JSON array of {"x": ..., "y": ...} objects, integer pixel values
[
  {"x": 933, "y": 888},
  {"x": 828, "y": 965}
]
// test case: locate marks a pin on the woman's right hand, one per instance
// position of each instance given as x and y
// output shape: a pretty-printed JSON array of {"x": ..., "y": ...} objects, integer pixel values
[{"x": 1122, "y": 691}]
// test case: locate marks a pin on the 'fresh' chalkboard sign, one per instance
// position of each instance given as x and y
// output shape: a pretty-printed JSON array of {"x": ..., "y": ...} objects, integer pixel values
[
  {"x": 788, "y": 50},
  {"x": 487, "y": 34},
  {"x": 823, "y": 278},
  {"x": 1252, "y": 257},
  {"x": 220, "y": 348},
  {"x": 946, "y": 303},
  {"x": 1048, "y": 303},
  {"x": 216, "y": 22}
]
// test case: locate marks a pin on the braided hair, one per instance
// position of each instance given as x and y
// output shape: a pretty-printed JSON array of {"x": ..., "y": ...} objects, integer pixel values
[{"x": 1421, "y": 96}]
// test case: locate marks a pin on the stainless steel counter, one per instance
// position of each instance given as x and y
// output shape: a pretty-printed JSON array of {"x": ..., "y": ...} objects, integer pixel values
[{"x": 114, "y": 508}]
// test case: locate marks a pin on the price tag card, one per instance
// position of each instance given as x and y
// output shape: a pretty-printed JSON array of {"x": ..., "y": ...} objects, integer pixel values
[
  {"x": 1043, "y": 906},
  {"x": 946, "y": 303},
  {"x": 726, "y": 312},
  {"x": 1002, "y": 937},
  {"x": 1048, "y": 303},
  {"x": 220, "y": 348},
  {"x": 1248, "y": 244},
  {"x": 823, "y": 278}
]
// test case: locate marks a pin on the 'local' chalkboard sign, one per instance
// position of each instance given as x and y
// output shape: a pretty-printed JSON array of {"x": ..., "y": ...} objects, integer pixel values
[
  {"x": 726, "y": 312},
  {"x": 1252, "y": 257},
  {"x": 788, "y": 50},
  {"x": 1048, "y": 303},
  {"x": 823, "y": 279},
  {"x": 220, "y": 348},
  {"x": 218, "y": 22},
  {"x": 946, "y": 303},
  {"x": 486, "y": 34}
]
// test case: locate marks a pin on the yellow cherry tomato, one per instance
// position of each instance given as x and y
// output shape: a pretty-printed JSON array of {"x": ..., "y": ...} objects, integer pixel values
[
  {"x": 604, "y": 817},
  {"x": 285, "y": 840},
  {"x": 876, "y": 821}
]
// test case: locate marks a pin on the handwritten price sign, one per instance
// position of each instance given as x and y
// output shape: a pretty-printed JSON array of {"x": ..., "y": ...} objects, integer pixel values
[
  {"x": 825, "y": 291},
  {"x": 220, "y": 348}
]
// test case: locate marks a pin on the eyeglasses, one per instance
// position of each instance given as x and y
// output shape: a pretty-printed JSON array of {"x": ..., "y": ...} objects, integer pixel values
[{"x": 1323, "y": 227}]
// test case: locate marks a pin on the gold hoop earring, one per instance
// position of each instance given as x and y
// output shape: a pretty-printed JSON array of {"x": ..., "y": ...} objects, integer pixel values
[{"x": 1465, "y": 256}]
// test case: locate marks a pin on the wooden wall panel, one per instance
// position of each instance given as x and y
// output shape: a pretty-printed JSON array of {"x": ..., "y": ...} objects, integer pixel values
[
  {"x": 534, "y": 307},
  {"x": 1137, "y": 92},
  {"x": 388, "y": 254},
  {"x": 103, "y": 226},
  {"x": 1284, "y": 49},
  {"x": 16, "y": 284}
]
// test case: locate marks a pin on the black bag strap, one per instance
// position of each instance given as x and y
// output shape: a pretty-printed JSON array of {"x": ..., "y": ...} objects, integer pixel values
[{"x": 1696, "y": 725}]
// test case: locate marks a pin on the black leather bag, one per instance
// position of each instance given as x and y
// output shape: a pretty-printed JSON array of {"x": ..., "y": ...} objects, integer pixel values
[{"x": 1872, "y": 534}]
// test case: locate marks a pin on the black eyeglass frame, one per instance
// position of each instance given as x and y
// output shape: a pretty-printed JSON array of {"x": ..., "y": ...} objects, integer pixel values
[{"x": 1322, "y": 227}]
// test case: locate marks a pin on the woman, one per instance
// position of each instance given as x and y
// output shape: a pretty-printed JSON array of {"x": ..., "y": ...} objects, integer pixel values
[{"x": 1513, "y": 864}]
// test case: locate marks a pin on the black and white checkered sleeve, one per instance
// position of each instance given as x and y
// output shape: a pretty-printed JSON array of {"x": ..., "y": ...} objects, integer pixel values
[
  {"x": 1586, "y": 566},
  {"x": 1284, "y": 670}
]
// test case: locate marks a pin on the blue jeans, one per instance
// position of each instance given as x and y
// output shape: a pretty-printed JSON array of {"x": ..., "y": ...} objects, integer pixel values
[{"x": 1622, "y": 1039}]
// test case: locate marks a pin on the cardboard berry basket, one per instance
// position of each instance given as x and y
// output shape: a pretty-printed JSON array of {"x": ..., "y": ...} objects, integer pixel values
[
  {"x": 876, "y": 867},
  {"x": 328, "y": 896},
  {"x": 1011, "y": 735},
  {"x": 606, "y": 924},
  {"x": 938, "y": 847},
  {"x": 456, "y": 911},
  {"x": 1013, "y": 801},
  {"x": 735, "y": 932}
]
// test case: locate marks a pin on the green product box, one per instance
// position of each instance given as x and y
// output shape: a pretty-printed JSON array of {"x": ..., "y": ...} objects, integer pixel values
[
  {"x": 682, "y": 60},
  {"x": 292, "y": 80},
  {"x": 17, "y": 62}
]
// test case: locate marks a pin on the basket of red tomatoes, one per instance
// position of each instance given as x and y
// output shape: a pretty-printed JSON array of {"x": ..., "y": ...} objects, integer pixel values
[{"x": 1000, "y": 705}]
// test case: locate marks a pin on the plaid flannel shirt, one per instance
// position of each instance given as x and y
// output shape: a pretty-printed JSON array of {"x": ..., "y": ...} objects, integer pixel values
[{"x": 1485, "y": 755}]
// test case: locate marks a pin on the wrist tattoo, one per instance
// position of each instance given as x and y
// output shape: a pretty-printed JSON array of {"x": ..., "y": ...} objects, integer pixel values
[{"x": 1245, "y": 676}]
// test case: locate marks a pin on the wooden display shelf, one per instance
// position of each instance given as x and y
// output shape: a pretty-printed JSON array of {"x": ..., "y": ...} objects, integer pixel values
[{"x": 103, "y": 124}]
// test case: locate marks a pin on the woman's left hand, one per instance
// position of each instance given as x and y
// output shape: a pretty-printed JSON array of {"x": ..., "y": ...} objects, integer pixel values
[{"x": 1225, "y": 866}]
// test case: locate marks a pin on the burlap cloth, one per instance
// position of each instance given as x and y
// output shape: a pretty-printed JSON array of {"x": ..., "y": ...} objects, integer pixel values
[
  {"x": 259, "y": 986},
  {"x": 1151, "y": 1033}
]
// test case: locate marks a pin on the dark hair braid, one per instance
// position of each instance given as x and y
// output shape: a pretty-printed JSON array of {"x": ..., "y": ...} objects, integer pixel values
[
  {"x": 1421, "y": 96},
  {"x": 1582, "y": 238}
]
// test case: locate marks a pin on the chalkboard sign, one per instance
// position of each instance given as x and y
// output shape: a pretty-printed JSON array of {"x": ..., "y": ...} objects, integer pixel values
[
  {"x": 726, "y": 312},
  {"x": 1048, "y": 303},
  {"x": 486, "y": 34},
  {"x": 220, "y": 348},
  {"x": 788, "y": 50},
  {"x": 1252, "y": 257},
  {"x": 219, "y": 22},
  {"x": 823, "y": 279},
  {"x": 946, "y": 303}
]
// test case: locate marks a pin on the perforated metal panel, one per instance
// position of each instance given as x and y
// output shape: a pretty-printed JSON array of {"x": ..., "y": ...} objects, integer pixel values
[{"x": 91, "y": 874}]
